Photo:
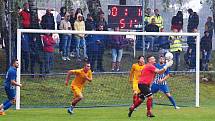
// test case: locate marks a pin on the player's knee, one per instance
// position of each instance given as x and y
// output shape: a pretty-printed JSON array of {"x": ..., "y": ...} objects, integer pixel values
[
  {"x": 81, "y": 97},
  {"x": 135, "y": 92},
  {"x": 141, "y": 96},
  {"x": 168, "y": 94},
  {"x": 150, "y": 97},
  {"x": 13, "y": 101}
]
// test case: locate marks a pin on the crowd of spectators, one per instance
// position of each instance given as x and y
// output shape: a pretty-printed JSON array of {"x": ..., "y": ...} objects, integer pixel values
[{"x": 91, "y": 47}]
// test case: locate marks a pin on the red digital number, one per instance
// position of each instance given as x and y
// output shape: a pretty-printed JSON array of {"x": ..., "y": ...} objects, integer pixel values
[
  {"x": 139, "y": 12},
  {"x": 122, "y": 23},
  {"x": 114, "y": 11},
  {"x": 130, "y": 23},
  {"x": 126, "y": 12},
  {"x": 135, "y": 21}
]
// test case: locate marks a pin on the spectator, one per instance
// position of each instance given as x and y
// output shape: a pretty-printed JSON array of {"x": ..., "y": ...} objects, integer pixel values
[
  {"x": 90, "y": 26},
  {"x": 59, "y": 18},
  {"x": 152, "y": 27},
  {"x": 25, "y": 24},
  {"x": 48, "y": 20},
  {"x": 191, "y": 51},
  {"x": 147, "y": 17},
  {"x": 90, "y": 23},
  {"x": 25, "y": 17},
  {"x": 102, "y": 21},
  {"x": 176, "y": 48},
  {"x": 163, "y": 44},
  {"x": 95, "y": 50},
  {"x": 206, "y": 48},
  {"x": 48, "y": 48},
  {"x": 117, "y": 45},
  {"x": 209, "y": 26},
  {"x": 193, "y": 21},
  {"x": 66, "y": 38},
  {"x": 79, "y": 25},
  {"x": 72, "y": 21},
  {"x": 177, "y": 21},
  {"x": 79, "y": 11},
  {"x": 37, "y": 54},
  {"x": 158, "y": 19}
]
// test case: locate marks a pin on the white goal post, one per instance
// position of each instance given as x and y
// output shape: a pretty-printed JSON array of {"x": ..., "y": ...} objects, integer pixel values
[{"x": 20, "y": 31}]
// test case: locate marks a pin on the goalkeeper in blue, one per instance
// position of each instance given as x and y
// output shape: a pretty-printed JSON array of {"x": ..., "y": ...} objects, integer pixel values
[
  {"x": 160, "y": 83},
  {"x": 10, "y": 87}
]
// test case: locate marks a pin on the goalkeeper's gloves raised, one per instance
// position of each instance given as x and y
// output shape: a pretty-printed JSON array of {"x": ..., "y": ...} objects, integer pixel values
[{"x": 169, "y": 63}]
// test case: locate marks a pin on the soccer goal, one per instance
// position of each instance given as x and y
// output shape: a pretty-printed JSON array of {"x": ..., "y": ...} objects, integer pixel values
[{"x": 109, "y": 88}]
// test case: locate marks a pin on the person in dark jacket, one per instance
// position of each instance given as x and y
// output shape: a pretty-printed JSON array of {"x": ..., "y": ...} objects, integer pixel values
[
  {"x": 177, "y": 21},
  {"x": 59, "y": 18},
  {"x": 72, "y": 44},
  {"x": 152, "y": 27},
  {"x": 37, "y": 54},
  {"x": 47, "y": 21},
  {"x": 206, "y": 48},
  {"x": 25, "y": 24},
  {"x": 191, "y": 51},
  {"x": 90, "y": 24},
  {"x": 193, "y": 21},
  {"x": 95, "y": 50},
  {"x": 102, "y": 21},
  {"x": 209, "y": 26}
]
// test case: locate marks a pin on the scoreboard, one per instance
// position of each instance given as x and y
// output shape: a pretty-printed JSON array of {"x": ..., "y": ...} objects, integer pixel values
[{"x": 126, "y": 17}]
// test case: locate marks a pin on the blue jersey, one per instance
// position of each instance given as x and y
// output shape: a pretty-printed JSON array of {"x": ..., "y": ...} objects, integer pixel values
[
  {"x": 11, "y": 75},
  {"x": 160, "y": 76}
]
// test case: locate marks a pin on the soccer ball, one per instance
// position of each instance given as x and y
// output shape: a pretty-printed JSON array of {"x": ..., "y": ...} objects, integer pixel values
[{"x": 169, "y": 56}]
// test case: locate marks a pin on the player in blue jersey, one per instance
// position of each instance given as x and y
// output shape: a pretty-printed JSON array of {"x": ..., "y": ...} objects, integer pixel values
[
  {"x": 10, "y": 87},
  {"x": 160, "y": 83}
]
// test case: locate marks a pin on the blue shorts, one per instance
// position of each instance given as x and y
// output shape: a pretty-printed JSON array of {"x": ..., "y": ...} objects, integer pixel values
[
  {"x": 11, "y": 93},
  {"x": 156, "y": 87}
]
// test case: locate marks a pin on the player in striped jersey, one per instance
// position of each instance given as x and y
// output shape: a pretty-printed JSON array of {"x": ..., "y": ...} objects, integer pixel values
[{"x": 160, "y": 83}]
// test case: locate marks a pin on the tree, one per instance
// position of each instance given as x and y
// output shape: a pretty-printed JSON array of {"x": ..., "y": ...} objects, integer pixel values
[{"x": 213, "y": 9}]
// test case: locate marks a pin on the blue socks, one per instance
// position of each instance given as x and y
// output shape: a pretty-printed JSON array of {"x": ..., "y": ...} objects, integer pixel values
[
  {"x": 172, "y": 101},
  {"x": 7, "y": 104}
]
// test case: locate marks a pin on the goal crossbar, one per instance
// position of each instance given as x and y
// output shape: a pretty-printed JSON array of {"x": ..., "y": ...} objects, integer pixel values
[{"x": 21, "y": 31}]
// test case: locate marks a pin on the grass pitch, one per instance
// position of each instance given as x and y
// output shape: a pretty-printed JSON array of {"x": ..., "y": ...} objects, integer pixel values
[{"x": 163, "y": 113}]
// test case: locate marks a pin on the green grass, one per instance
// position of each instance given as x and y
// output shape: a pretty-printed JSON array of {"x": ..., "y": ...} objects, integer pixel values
[
  {"x": 163, "y": 113},
  {"x": 106, "y": 89}
]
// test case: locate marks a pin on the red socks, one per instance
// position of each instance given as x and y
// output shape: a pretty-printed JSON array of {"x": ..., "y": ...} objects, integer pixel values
[
  {"x": 75, "y": 101},
  {"x": 135, "y": 97},
  {"x": 136, "y": 103},
  {"x": 149, "y": 104}
]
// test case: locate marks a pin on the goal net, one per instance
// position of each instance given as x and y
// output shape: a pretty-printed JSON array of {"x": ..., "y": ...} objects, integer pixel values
[{"x": 108, "y": 88}]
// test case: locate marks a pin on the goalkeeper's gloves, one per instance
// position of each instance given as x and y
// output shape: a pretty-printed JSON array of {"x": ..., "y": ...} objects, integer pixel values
[{"x": 169, "y": 63}]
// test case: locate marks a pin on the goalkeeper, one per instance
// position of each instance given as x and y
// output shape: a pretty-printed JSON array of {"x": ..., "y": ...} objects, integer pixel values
[
  {"x": 147, "y": 76},
  {"x": 160, "y": 82},
  {"x": 81, "y": 77}
]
